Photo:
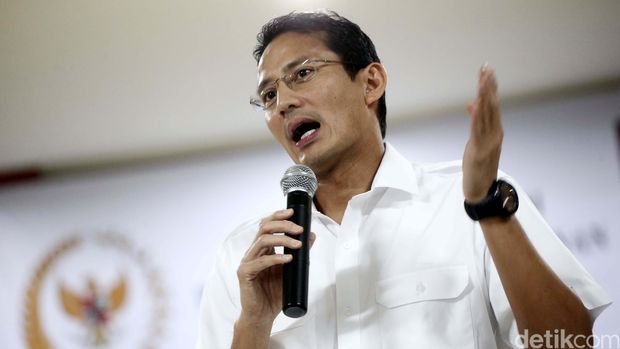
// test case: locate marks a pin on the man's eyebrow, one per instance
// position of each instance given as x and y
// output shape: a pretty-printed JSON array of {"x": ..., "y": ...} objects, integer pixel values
[{"x": 287, "y": 67}]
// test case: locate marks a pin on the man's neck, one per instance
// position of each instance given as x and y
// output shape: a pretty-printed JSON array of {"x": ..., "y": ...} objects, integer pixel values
[{"x": 348, "y": 179}]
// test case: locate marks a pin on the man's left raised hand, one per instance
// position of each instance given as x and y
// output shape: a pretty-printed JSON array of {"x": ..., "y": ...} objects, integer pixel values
[{"x": 482, "y": 152}]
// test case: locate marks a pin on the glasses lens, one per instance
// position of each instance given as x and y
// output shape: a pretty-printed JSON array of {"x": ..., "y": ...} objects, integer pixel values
[
  {"x": 303, "y": 73},
  {"x": 269, "y": 95}
]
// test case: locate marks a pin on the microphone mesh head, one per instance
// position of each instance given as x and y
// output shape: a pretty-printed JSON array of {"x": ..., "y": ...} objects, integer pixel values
[{"x": 299, "y": 177}]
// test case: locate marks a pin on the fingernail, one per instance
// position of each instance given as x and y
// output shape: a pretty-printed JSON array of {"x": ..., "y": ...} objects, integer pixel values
[
  {"x": 287, "y": 257},
  {"x": 297, "y": 243}
]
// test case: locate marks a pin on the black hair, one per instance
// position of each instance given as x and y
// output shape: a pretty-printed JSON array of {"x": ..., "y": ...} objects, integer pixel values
[{"x": 342, "y": 36}]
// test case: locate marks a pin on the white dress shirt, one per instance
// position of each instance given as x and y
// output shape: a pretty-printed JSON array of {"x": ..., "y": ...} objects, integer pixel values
[{"x": 406, "y": 268}]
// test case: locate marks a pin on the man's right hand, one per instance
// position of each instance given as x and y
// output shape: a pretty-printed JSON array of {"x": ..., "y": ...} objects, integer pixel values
[{"x": 260, "y": 271}]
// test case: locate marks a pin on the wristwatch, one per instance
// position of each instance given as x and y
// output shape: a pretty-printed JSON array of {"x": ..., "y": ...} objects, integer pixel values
[{"x": 501, "y": 201}]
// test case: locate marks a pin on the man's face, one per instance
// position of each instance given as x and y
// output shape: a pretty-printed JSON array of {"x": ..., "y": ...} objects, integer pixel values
[{"x": 325, "y": 120}]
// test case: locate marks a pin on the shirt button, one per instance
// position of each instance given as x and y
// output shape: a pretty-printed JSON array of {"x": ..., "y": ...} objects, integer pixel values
[
  {"x": 347, "y": 245},
  {"x": 348, "y": 311}
]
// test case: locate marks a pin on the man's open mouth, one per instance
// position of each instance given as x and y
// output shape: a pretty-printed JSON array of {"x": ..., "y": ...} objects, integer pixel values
[{"x": 304, "y": 129}]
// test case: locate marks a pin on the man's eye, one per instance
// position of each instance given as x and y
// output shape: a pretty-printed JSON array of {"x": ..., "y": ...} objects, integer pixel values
[
  {"x": 304, "y": 73},
  {"x": 268, "y": 96}
]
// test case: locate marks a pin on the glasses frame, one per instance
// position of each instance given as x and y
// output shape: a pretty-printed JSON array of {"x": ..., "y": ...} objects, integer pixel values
[{"x": 289, "y": 79}]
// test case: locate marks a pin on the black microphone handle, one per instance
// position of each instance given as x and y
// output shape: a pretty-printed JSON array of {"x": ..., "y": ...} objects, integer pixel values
[{"x": 295, "y": 272}]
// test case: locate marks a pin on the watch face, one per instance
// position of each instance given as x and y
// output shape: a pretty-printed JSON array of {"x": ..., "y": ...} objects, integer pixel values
[{"x": 508, "y": 196}]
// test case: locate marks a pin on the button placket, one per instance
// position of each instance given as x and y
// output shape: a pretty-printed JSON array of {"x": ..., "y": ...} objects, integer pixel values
[{"x": 347, "y": 279}]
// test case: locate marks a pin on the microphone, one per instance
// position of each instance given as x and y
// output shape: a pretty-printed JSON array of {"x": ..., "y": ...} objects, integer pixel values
[{"x": 299, "y": 185}]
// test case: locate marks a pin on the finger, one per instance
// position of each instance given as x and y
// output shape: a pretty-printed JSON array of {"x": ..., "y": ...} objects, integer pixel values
[
  {"x": 481, "y": 79},
  {"x": 312, "y": 239},
  {"x": 471, "y": 108},
  {"x": 494, "y": 101},
  {"x": 476, "y": 108},
  {"x": 488, "y": 84},
  {"x": 491, "y": 103},
  {"x": 282, "y": 214},
  {"x": 268, "y": 242},
  {"x": 274, "y": 227},
  {"x": 277, "y": 216},
  {"x": 486, "y": 91},
  {"x": 265, "y": 245},
  {"x": 249, "y": 270}
]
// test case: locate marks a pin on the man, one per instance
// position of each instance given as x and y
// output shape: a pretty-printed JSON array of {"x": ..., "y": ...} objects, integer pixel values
[{"x": 396, "y": 262}]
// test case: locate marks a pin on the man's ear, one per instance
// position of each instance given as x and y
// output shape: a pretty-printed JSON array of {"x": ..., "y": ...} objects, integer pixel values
[{"x": 376, "y": 81}]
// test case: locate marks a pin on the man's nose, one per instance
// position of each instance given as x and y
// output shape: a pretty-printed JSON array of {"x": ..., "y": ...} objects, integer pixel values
[{"x": 286, "y": 99}]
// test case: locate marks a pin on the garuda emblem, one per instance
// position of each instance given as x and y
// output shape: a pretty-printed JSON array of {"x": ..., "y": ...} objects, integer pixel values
[
  {"x": 90, "y": 313},
  {"x": 95, "y": 307}
]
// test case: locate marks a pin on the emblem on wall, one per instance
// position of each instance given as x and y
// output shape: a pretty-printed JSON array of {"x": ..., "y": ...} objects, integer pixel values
[
  {"x": 95, "y": 291},
  {"x": 95, "y": 307}
]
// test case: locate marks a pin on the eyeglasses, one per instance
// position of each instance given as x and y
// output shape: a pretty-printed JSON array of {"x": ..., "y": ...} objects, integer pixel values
[{"x": 305, "y": 72}]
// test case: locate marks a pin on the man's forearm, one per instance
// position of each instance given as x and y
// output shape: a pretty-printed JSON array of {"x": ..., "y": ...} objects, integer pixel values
[{"x": 539, "y": 300}]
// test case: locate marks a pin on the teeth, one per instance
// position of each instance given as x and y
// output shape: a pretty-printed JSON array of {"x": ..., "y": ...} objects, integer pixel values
[{"x": 308, "y": 133}]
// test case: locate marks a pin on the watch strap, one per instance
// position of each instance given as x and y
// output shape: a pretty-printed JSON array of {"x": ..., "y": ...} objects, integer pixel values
[{"x": 494, "y": 204}]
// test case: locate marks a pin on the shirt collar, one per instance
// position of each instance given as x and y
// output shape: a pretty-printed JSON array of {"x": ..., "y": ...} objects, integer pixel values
[{"x": 395, "y": 171}]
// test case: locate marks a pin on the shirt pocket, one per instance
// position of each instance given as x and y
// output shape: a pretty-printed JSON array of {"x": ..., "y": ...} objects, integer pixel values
[{"x": 427, "y": 308}]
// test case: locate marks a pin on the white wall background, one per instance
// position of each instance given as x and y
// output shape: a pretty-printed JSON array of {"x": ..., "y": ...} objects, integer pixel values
[
  {"x": 100, "y": 81},
  {"x": 565, "y": 152}
]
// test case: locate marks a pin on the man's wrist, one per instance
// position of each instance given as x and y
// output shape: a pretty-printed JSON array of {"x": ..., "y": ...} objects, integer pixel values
[
  {"x": 501, "y": 201},
  {"x": 251, "y": 334},
  {"x": 250, "y": 323},
  {"x": 491, "y": 222}
]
